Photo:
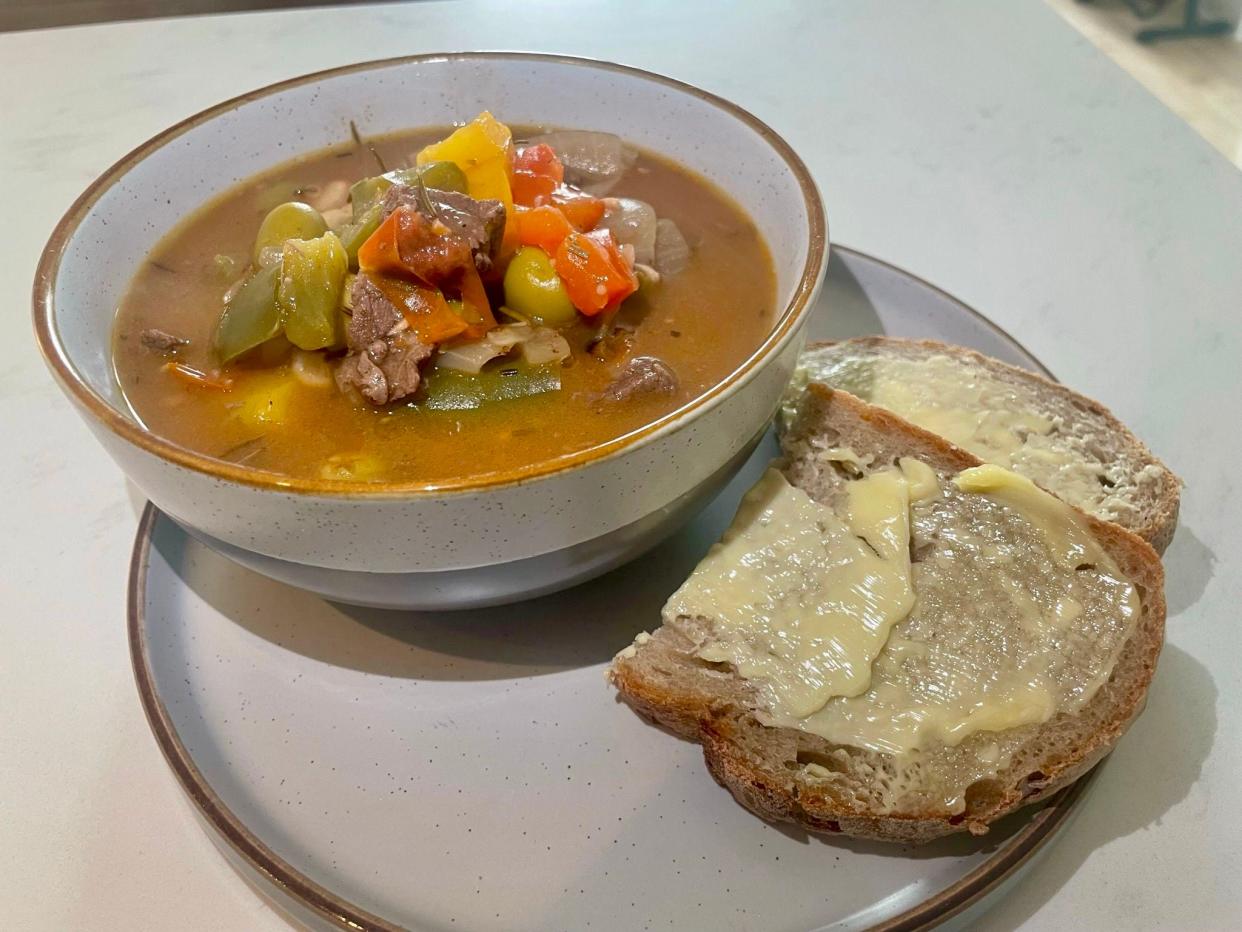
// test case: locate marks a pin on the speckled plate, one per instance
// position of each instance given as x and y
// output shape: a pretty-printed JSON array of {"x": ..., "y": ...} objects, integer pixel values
[{"x": 370, "y": 769}]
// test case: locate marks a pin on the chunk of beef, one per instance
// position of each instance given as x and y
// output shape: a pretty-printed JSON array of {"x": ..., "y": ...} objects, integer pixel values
[
  {"x": 387, "y": 370},
  {"x": 400, "y": 365},
  {"x": 373, "y": 317},
  {"x": 161, "y": 341},
  {"x": 481, "y": 223},
  {"x": 359, "y": 371},
  {"x": 642, "y": 375},
  {"x": 383, "y": 363}
]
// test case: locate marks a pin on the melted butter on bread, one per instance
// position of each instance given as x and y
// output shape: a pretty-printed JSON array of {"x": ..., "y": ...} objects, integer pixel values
[
  {"x": 803, "y": 599},
  {"x": 1018, "y": 614}
]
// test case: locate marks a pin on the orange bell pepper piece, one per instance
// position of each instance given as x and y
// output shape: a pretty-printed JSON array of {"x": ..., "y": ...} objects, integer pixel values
[
  {"x": 595, "y": 274},
  {"x": 579, "y": 208},
  {"x": 424, "y": 309},
  {"x": 380, "y": 252},
  {"x": 543, "y": 226},
  {"x": 477, "y": 309}
]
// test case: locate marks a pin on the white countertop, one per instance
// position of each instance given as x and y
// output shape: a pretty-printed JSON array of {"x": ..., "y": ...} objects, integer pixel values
[{"x": 985, "y": 147}]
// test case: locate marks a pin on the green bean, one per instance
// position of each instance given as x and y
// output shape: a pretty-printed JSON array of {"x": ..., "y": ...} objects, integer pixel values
[
  {"x": 290, "y": 220},
  {"x": 309, "y": 293},
  {"x": 250, "y": 318}
]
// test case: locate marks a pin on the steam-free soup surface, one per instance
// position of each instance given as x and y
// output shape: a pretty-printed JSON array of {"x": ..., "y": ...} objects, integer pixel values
[{"x": 280, "y": 410}]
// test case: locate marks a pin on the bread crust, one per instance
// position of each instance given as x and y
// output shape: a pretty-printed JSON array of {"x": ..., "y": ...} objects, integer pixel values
[
  {"x": 716, "y": 708},
  {"x": 1157, "y": 523}
]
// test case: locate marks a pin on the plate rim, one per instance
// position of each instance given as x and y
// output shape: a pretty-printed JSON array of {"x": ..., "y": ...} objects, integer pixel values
[{"x": 931, "y": 912}]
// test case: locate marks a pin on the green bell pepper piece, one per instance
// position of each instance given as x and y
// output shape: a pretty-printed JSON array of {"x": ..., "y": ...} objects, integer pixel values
[
  {"x": 251, "y": 318},
  {"x": 367, "y": 193},
  {"x": 503, "y": 380},
  {"x": 309, "y": 294},
  {"x": 442, "y": 176},
  {"x": 354, "y": 234},
  {"x": 291, "y": 220}
]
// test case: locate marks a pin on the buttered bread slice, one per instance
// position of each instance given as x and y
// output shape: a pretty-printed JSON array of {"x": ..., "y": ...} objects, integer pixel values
[
  {"x": 1067, "y": 443},
  {"x": 894, "y": 640}
]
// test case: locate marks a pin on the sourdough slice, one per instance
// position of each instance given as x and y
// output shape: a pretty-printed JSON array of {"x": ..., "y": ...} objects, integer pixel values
[
  {"x": 788, "y": 774},
  {"x": 1066, "y": 443}
]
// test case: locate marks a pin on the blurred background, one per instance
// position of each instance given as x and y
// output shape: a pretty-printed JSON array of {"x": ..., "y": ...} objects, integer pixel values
[{"x": 1188, "y": 53}]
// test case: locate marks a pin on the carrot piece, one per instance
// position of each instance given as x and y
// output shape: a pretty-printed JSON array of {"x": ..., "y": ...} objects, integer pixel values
[
  {"x": 543, "y": 226},
  {"x": 539, "y": 159},
  {"x": 477, "y": 309},
  {"x": 196, "y": 377},
  {"x": 579, "y": 208},
  {"x": 424, "y": 309},
  {"x": 530, "y": 189},
  {"x": 592, "y": 278}
]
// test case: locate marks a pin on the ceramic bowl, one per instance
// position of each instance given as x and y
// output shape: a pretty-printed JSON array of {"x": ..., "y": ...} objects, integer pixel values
[{"x": 455, "y": 544}]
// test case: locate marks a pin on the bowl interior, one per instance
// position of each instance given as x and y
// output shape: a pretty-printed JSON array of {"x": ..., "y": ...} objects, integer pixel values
[{"x": 151, "y": 190}]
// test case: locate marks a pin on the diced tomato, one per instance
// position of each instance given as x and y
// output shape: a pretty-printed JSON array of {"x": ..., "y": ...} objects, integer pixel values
[
  {"x": 622, "y": 265},
  {"x": 543, "y": 226},
  {"x": 408, "y": 245},
  {"x": 579, "y": 208},
  {"x": 539, "y": 159},
  {"x": 588, "y": 265},
  {"x": 424, "y": 309},
  {"x": 530, "y": 189}
]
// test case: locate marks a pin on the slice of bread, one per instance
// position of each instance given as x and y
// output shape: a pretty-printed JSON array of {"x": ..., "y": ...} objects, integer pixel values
[
  {"x": 789, "y": 774},
  {"x": 1066, "y": 443}
]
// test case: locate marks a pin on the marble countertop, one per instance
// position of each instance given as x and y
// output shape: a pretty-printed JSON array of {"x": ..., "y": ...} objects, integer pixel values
[{"x": 985, "y": 147}]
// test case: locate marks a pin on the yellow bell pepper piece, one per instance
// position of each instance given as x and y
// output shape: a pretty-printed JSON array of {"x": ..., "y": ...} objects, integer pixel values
[
  {"x": 267, "y": 399},
  {"x": 482, "y": 149}
]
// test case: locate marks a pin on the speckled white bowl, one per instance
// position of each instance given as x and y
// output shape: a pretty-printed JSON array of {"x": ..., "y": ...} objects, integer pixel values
[{"x": 455, "y": 544}]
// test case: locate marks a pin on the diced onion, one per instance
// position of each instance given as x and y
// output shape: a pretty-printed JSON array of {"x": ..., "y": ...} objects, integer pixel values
[
  {"x": 633, "y": 223},
  {"x": 472, "y": 356},
  {"x": 311, "y": 369},
  {"x": 672, "y": 252},
  {"x": 545, "y": 346}
]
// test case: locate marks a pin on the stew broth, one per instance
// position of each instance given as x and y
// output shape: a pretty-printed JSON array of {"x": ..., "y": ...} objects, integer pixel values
[{"x": 703, "y": 323}]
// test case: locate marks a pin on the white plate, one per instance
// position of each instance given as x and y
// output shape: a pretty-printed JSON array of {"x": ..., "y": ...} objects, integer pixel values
[{"x": 370, "y": 769}]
